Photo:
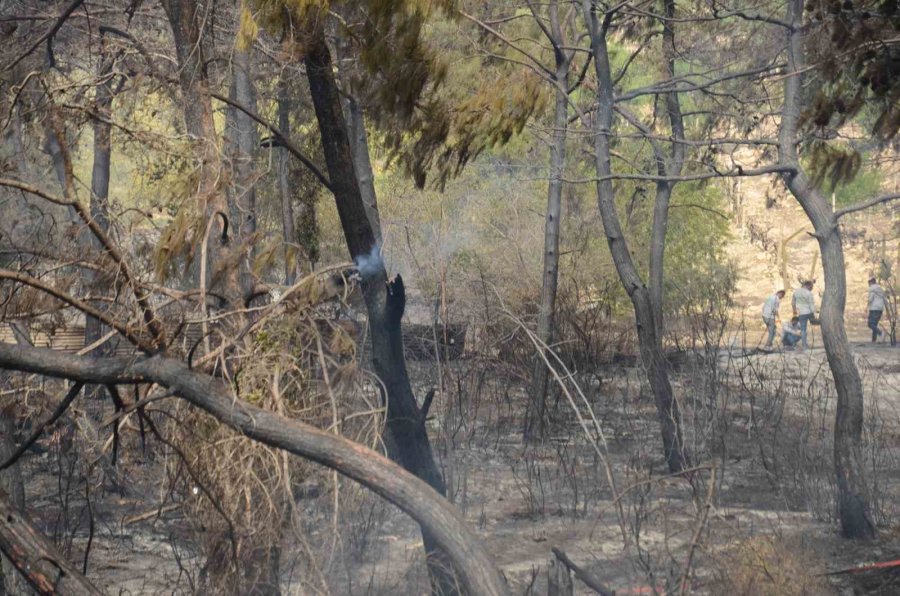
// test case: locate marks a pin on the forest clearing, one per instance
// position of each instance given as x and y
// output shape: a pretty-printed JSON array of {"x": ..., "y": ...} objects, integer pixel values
[{"x": 449, "y": 297}]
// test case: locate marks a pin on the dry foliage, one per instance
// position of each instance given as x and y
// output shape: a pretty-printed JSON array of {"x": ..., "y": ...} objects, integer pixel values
[
  {"x": 769, "y": 566},
  {"x": 241, "y": 494}
]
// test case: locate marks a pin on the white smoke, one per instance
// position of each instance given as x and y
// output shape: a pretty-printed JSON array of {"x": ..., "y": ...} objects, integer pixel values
[{"x": 370, "y": 264}]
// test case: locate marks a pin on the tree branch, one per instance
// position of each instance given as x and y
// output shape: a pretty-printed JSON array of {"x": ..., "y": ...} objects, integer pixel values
[
  {"x": 285, "y": 142},
  {"x": 76, "y": 303},
  {"x": 735, "y": 173},
  {"x": 588, "y": 578},
  {"x": 865, "y": 205},
  {"x": 477, "y": 572},
  {"x": 56, "y": 26},
  {"x": 36, "y": 433},
  {"x": 153, "y": 323}
]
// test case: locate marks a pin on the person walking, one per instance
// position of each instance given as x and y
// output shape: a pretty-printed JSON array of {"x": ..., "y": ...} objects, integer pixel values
[
  {"x": 876, "y": 308},
  {"x": 804, "y": 304},
  {"x": 770, "y": 314}
]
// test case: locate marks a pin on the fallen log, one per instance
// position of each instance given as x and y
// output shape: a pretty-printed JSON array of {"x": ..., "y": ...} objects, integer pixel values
[{"x": 35, "y": 557}]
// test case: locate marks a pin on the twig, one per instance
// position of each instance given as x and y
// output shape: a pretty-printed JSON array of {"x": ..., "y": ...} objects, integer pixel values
[
  {"x": 153, "y": 323},
  {"x": 586, "y": 577},
  {"x": 280, "y": 136},
  {"x": 152, "y": 513},
  {"x": 36, "y": 433},
  {"x": 48, "y": 35},
  {"x": 697, "y": 532}
]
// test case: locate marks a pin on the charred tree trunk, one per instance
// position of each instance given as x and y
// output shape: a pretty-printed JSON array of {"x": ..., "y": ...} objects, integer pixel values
[
  {"x": 12, "y": 485},
  {"x": 11, "y": 478},
  {"x": 649, "y": 341},
  {"x": 299, "y": 225},
  {"x": 853, "y": 506},
  {"x": 385, "y": 300},
  {"x": 354, "y": 115},
  {"x": 559, "y": 579},
  {"x": 536, "y": 415}
]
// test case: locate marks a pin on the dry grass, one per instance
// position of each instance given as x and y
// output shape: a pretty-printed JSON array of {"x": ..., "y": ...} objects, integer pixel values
[{"x": 769, "y": 566}]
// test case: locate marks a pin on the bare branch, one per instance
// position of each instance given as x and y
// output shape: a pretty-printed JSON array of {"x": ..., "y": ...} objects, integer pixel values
[
  {"x": 285, "y": 142},
  {"x": 865, "y": 205},
  {"x": 701, "y": 208},
  {"x": 734, "y": 173},
  {"x": 537, "y": 63},
  {"x": 79, "y": 304},
  {"x": 153, "y": 323},
  {"x": 37, "y": 432},
  {"x": 477, "y": 572},
  {"x": 50, "y": 33},
  {"x": 684, "y": 84}
]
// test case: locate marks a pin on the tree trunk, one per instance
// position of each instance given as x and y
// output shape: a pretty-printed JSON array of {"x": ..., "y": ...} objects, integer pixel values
[
  {"x": 536, "y": 415},
  {"x": 286, "y": 183},
  {"x": 11, "y": 478},
  {"x": 244, "y": 143},
  {"x": 853, "y": 507},
  {"x": 362, "y": 163},
  {"x": 664, "y": 188},
  {"x": 99, "y": 209},
  {"x": 559, "y": 579},
  {"x": 385, "y": 300},
  {"x": 185, "y": 18},
  {"x": 649, "y": 342}
]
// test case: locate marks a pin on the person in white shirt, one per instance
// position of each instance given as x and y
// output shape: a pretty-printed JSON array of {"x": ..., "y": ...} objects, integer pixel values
[
  {"x": 791, "y": 333},
  {"x": 770, "y": 314},
  {"x": 804, "y": 304},
  {"x": 876, "y": 307}
]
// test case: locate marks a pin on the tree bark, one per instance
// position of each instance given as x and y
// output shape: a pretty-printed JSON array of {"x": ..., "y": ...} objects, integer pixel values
[
  {"x": 385, "y": 300},
  {"x": 99, "y": 205},
  {"x": 362, "y": 163},
  {"x": 649, "y": 342},
  {"x": 444, "y": 524},
  {"x": 853, "y": 507},
  {"x": 536, "y": 415}
]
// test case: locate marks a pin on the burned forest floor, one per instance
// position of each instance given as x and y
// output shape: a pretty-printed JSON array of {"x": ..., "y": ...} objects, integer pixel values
[{"x": 754, "y": 515}]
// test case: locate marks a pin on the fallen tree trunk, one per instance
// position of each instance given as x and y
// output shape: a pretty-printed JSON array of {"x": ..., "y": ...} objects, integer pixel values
[
  {"x": 35, "y": 557},
  {"x": 444, "y": 523}
]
